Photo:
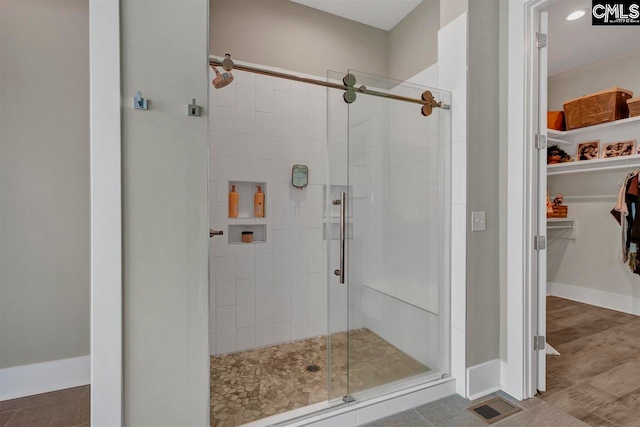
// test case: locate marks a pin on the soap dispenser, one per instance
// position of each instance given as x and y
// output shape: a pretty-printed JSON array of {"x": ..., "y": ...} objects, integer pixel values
[
  {"x": 233, "y": 203},
  {"x": 258, "y": 203}
]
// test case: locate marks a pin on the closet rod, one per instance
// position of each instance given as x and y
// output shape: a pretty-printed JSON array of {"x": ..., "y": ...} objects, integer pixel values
[
  {"x": 603, "y": 196},
  {"x": 560, "y": 141},
  {"x": 608, "y": 168}
]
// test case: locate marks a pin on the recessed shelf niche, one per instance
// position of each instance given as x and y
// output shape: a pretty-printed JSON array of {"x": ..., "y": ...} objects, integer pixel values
[
  {"x": 259, "y": 233},
  {"x": 246, "y": 190}
]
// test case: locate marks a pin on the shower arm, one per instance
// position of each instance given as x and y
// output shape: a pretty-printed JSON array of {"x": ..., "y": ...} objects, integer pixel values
[{"x": 427, "y": 100}]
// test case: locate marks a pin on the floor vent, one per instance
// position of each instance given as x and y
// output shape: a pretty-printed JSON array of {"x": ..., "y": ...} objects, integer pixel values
[
  {"x": 494, "y": 410},
  {"x": 313, "y": 368}
]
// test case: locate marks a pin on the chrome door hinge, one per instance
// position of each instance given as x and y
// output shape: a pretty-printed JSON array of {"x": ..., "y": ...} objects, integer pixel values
[
  {"x": 539, "y": 342},
  {"x": 541, "y": 142},
  {"x": 541, "y": 40},
  {"x": 539, "y": 243}
]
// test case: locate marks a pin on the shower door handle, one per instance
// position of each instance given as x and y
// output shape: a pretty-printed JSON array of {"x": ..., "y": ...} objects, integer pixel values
[{"x": 343, "y": 224}]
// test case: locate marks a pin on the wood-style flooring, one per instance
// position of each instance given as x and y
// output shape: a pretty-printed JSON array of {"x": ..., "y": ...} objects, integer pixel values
[
  {"x": 64, "y": 408},
  {"x": 597, "y": 376}
]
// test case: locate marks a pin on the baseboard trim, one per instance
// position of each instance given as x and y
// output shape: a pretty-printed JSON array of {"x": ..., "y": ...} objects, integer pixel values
[
  {"x": 609, "y": 300},
  {"x": 26, "y": 380},
  {"x": 483, "y": 379}
]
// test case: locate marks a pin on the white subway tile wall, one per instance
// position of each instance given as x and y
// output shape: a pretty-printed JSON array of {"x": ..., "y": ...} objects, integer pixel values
[{"x": 273, "y": 292}]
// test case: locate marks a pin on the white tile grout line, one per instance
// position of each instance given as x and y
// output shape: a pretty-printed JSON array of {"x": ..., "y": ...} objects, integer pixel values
[{"x": 422, "y": 416}]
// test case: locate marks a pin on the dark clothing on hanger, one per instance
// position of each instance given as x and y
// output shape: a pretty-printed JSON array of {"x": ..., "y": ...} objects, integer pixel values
[
  {"x": 626, "y": 214},
  {"x": 634, "y": 235},
  {"x": 632, "y": 187},
  {"x": 633, "y": 221}
]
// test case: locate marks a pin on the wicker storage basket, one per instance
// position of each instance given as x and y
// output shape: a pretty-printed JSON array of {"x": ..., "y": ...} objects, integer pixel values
[
  {"x": 559, "y": 211},
  {"x": 600, "y": 107},
  {"x": 555, "y": 120},
  {"x": 634, "y": 107}
]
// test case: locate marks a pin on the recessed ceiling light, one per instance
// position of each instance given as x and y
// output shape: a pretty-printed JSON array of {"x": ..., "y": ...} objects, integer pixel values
[{"x": 575, "y": 15}]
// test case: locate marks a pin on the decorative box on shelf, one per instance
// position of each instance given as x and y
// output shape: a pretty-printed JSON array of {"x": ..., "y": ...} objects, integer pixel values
[
  {"x": 600, "y": 107},
  {"x": 555, "y": 120},
  {"x": 634, "y": 107},
  {"x": 559, "y": 211}
]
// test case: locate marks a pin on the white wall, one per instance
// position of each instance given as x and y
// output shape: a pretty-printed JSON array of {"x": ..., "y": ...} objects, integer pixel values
[
  {"x": 452, "y": 76},
  {"x": 165, "y": 227},
  {"x": 106, "y": 217},
  {"x": 621, "y": 71},
  {"x": 272, "y": 292},
  {"x": 415, "y": 331},
  {"x": 44, "y": 181}
]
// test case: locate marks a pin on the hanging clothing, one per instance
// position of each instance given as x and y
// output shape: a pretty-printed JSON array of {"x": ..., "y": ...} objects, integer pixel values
[
  {"x": 625, "y": 213},
  {"x": 632, "y": 197},
  {"x": 620, "y": 213},
  {"x": 620, "y": 210}
]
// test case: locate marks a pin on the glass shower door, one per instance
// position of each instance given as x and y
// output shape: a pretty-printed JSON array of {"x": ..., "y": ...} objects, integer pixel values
[
  {"x": 390, "y": 240},
  {"x": 336, "y": 235}
]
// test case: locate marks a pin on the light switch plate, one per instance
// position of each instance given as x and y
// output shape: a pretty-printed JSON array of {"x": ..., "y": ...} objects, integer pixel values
[{"x": 478, "y": 221}]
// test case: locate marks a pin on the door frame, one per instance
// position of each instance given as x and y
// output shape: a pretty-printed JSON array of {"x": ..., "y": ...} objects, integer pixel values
[
  {"x": 106, "y": 215},
  {"x": 519, "y": 372}
]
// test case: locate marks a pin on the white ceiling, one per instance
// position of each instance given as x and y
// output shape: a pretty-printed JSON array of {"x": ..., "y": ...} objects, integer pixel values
[
  {"x": 383, "y": 14},
  {"x": 574, "y": 44}
]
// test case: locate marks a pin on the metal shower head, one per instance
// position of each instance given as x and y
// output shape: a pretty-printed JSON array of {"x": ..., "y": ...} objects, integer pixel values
[{"x": 221, "y": 79}]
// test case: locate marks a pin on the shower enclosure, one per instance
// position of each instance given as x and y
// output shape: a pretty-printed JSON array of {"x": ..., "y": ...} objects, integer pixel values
[{"x": 348, "y": 274}]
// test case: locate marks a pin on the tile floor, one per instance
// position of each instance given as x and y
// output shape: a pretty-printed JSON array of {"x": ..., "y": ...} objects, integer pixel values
[
  {"x": 452, "y": 412},
  {"x": 255, "y": 384}
]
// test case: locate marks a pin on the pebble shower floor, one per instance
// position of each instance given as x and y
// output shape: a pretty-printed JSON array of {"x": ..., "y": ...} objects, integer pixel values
[{"x": 255, "y": 384}]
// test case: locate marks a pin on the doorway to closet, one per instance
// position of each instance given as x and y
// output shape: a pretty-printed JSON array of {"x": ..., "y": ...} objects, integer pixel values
[{"x": 586, "y": 188}]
